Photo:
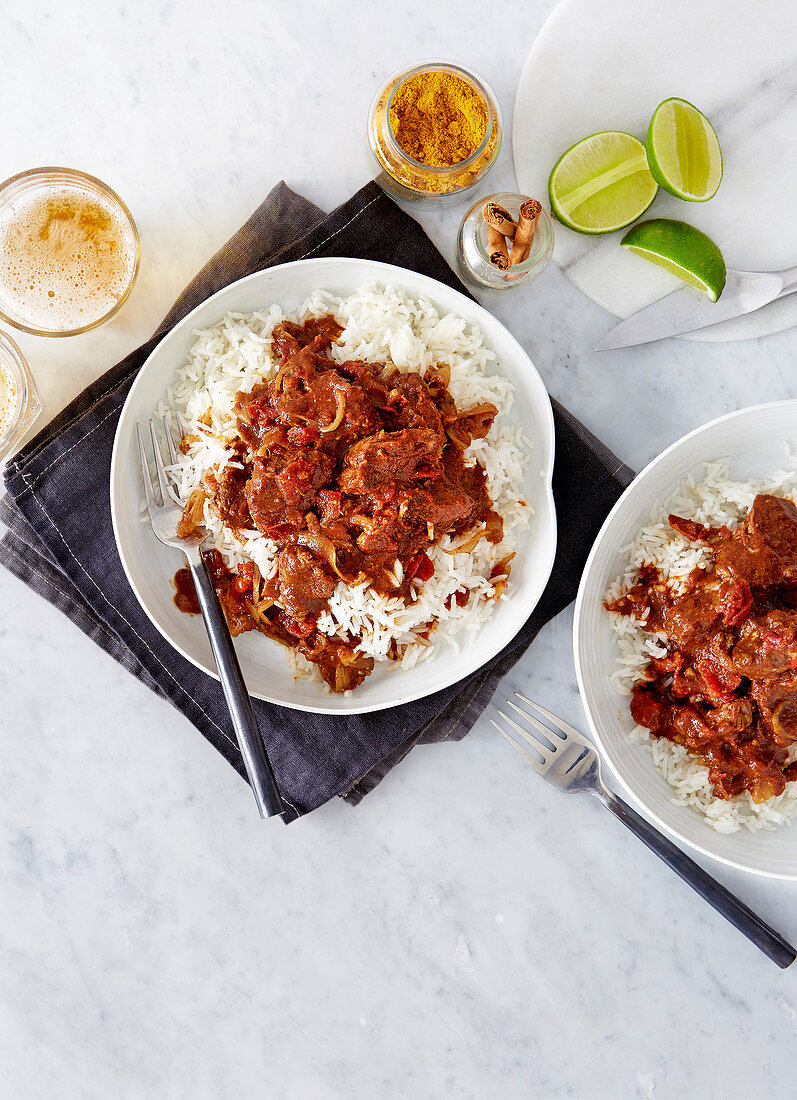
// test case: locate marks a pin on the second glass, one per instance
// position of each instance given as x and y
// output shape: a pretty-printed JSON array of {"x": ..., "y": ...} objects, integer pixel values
[{"x": 19, "y": 401}]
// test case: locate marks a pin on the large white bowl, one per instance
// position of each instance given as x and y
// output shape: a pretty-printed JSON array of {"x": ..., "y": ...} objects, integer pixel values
[
  {"x": 754, "y": 440},
  {"x": 150, "y": 566}
]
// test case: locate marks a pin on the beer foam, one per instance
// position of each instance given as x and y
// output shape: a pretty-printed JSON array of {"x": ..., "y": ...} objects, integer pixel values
[
  {"x": 67, "y": 255},
  {"x": 9, "y": 396}
]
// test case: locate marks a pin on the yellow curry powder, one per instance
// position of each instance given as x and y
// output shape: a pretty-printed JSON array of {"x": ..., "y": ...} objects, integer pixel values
[{"x": 438, "y": 118}]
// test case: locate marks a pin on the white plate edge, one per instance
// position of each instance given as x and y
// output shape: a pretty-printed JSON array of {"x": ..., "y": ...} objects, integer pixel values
[
  {"x": 550, "y": 530},
  {"x": 580, "y": 678}
]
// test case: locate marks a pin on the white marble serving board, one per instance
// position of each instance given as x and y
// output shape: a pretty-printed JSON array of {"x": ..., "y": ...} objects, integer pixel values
[{"x": 607, "y": 66}]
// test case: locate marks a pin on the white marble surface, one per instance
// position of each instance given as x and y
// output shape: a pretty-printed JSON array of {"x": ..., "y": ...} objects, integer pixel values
[
  {"x": 621, "y": 60},
  {"x": 464, "y": 933}
]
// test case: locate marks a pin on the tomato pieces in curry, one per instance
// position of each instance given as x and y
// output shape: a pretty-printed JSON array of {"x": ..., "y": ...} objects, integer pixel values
[
  {"x": 355, "y": 470},
  {"x": 727, "y": 687}
]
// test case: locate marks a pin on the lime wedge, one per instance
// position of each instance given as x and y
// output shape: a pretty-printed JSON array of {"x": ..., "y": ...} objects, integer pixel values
[
  {"x": 681, "y": 249},
  {"x": 683, "y": 151},
  {"x": 602, "y": 183}
]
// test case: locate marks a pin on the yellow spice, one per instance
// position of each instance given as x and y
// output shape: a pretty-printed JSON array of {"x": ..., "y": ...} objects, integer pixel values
[{"x": 438, "y": 118}]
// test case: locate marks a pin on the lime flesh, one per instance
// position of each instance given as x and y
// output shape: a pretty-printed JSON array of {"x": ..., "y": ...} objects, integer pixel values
[
  {"x": 681, "y": 249},
  {"x": 602, "y": 183},
  {"x": 683, "y": 151}
]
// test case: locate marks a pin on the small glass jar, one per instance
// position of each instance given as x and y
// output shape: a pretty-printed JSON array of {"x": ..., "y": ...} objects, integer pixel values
[
  {"x": 19, "y": 401},
  {"x": 409, "y": 181},
  {"x": 69, "y": 251},
  {"x": 473, "y": 259}
]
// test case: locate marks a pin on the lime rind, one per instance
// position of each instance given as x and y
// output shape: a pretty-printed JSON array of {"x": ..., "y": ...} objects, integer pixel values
[
  {"x": 683, "y": 151},
  {"x": 670, "y": 265},
  {"x": 682, "y": 250},
  {"x": 602, "y": 183}
]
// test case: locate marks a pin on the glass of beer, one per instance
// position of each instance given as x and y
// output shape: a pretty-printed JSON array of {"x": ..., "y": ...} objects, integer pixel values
[{"x": 69, "y": 252}]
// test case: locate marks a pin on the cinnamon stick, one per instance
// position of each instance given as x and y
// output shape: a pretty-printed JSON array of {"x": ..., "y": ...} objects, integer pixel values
[
  {"x": 496, "y": 248},
  {"x": 528, "y": 216},
  {"x": 499, "y": 218}
]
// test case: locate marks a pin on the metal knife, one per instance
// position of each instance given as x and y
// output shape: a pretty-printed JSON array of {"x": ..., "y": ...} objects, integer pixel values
[{"x": 687, "y": 310}]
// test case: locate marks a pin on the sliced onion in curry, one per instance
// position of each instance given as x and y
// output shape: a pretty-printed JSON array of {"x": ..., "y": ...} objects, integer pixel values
[
  {"x": 322, "y": 546},
  {"x": 257, "y": 578},
  {"x": 458, "y": 436},
  {"x": 784, "y": 720},
  {"x": 280, "y": 375},
  {"x": 363, "y": 522},
  {"x": 494, "y": 528},
  {"x": 500, "y": 575},
  {"x": 253, "y": 610},
  {"x": 340, "y": 412},
  {"x": 478, "y": 420},
  {"x": 274, "y": 436},
  {"x": 193, "y": 514},
  {"x": 470, "y": 543}
]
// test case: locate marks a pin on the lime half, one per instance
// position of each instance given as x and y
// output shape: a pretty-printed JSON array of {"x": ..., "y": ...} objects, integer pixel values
[
  {"x": 602, "y": 183},
  {"x": 684, "y": 151},
  {"x": 681, "y": 249}
]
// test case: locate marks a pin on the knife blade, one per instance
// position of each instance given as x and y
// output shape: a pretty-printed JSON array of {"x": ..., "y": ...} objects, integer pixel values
[{"x": 687, "y": 310}]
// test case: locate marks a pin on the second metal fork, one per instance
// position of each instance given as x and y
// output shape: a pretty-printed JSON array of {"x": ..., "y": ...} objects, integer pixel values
[
  {"x": 164, "y": 517},
  {"x": 563, "y": 756}
]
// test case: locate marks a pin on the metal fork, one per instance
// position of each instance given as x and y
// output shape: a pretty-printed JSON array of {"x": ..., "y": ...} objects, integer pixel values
[
  {"x": 563, "y": 756},
  {"x": 164, "y": 517}
]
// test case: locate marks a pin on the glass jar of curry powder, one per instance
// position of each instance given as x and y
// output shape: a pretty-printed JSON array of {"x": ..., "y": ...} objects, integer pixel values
[{"x": 435, "y": 131}]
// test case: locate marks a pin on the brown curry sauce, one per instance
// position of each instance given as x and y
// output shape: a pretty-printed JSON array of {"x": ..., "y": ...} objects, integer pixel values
[
  {"x": 349, "y": 468},
  {"x": 727, "y": 687}
]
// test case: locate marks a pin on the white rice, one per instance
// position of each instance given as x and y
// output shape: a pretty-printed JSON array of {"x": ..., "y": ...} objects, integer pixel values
[
  {"x": 381, "y": 324},
  {"x": 714, "y": 500}
]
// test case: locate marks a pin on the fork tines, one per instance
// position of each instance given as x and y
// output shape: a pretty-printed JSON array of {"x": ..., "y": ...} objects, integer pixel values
[
  {"x": 162, "y": 478},
  {"x": 544, "y": 741}
]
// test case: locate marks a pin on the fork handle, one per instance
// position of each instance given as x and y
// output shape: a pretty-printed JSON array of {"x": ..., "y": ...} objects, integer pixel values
[
  {"x": 749, "y": 923},
  {"x": 258, "y": 768}
]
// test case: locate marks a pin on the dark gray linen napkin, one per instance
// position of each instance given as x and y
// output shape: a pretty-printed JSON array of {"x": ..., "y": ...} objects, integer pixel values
[{"x": 60, "y": 541}]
